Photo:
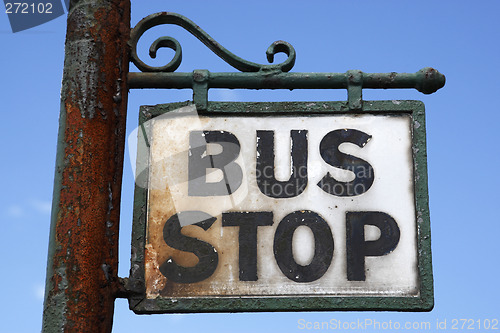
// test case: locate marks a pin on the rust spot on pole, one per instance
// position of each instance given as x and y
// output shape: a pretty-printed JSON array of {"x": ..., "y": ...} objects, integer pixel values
[{"x": 82, "y": 268}]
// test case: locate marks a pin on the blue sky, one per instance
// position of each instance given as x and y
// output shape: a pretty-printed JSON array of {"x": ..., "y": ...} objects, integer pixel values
[{"x": 458, "y": 38}]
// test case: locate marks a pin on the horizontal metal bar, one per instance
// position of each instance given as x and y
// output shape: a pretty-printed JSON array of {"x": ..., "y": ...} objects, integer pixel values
[{"x": 427, "y": 80}]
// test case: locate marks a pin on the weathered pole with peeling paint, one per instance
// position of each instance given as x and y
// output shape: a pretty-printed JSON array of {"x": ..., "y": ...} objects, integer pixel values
[{"x": 82, "y": 281}]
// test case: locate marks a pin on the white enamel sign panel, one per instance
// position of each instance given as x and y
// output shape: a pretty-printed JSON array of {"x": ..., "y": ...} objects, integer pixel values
[{"x": 276, "y": 206}]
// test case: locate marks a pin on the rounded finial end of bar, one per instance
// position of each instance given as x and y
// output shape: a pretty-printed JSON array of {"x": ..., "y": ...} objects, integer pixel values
[{"x": 429, "y": 80}]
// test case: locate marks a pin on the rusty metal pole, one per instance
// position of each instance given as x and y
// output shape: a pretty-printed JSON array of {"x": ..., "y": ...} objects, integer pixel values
[{"x": 82, "y": 281}]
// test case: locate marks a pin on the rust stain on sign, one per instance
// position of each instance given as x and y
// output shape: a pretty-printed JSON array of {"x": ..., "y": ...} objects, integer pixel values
[{"x": 155, "y": 280}]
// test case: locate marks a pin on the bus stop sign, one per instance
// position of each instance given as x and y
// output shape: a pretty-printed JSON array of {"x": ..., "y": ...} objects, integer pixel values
[{"x": 281, "y": 206}]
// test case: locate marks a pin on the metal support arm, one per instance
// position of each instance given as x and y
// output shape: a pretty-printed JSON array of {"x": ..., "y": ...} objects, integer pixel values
[{"x": 427, "y": 81}]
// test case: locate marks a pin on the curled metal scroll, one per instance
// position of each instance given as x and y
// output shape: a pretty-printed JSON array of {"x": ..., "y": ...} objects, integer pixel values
[{"x": 171, "y": 43}]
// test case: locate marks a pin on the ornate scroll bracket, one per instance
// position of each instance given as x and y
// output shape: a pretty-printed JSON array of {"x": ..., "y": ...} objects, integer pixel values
[
  {"x": 258, "y": 76},
  {"x": 171, "y": 43}
]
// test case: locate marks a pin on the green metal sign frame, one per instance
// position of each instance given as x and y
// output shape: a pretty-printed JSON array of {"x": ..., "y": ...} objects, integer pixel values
[{"x": 424, "y": 301}]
